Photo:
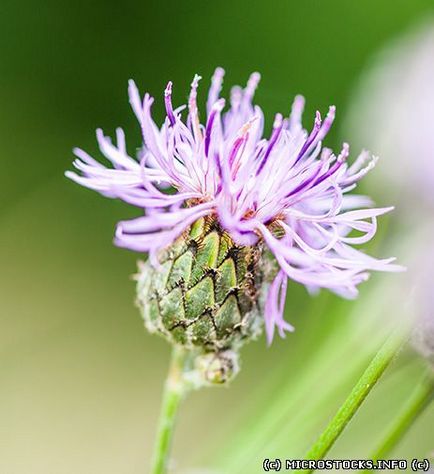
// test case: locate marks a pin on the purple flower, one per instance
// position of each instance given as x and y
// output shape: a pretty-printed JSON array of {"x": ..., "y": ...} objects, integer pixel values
[
  {"x": 392, "y": 111},
  {"x": 253, "y": 185}
]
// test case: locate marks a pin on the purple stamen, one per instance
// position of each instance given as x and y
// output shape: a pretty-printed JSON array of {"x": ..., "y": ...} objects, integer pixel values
[
  {"x": 216, "y": 109},
  {"x": 234, "y": 150},
  {"x": 318, "y": 133},
  {"x": 340, "y": 160},
  {"x": 216, "y": 85},
  {"x": 310, "y": 139},
  {"x": 277, "y": 130},
  {"x": 252, "y": 84},
  {"x": 168, "y": 103}
]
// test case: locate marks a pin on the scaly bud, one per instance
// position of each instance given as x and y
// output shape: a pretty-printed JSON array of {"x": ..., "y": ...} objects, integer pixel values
[
  {"x": 205, "y": 294},
  {"x": 218, "y": 367}
]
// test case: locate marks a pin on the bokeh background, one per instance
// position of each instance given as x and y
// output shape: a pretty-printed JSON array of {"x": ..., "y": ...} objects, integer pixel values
[{"x": 80, "y": 380}]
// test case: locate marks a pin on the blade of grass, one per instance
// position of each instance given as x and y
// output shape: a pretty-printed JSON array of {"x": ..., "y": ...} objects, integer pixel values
[
  {"x": 358, "y": 394},
  {"x": 419, "y": 400}
]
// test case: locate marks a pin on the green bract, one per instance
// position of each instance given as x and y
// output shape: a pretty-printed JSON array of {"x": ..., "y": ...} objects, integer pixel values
[{"x": 206, "y": 292}]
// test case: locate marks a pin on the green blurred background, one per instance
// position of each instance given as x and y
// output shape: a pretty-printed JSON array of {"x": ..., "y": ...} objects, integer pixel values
[{"x": 80, "y": 378}]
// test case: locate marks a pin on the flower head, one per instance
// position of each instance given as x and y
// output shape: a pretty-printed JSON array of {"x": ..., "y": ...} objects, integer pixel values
[
  {"x": 392, "y": 111},
  {"x": 286, "y": 191}
]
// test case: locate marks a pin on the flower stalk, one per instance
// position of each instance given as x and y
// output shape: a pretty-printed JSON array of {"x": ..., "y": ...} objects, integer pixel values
[
  {"x": 174, "y": 391},
  {"x": 357, "y": 396}
]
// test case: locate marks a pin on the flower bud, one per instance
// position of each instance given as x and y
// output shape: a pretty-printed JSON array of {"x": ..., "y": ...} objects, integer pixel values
[
  {"x": 204, "y": 294},
  {"x": 219, "y": 367}
]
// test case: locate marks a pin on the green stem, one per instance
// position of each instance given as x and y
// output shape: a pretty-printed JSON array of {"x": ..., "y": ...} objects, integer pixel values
[
  {"x": 358, "y": 394},
  {"x": 174, "y": 391},
  {"x": 419, "y": 400}
]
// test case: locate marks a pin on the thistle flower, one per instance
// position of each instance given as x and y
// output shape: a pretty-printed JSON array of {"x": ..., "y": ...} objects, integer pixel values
[
  {"x": 217, "y": 197},
  {"x": 418, "y": 290},
  {"x": 392, "y": 112}
]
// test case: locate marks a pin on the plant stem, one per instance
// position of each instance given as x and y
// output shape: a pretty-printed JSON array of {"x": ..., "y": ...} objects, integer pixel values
[
  {"x": 419, "y": 400},
  {"x": 174, "y": 391},
  {"x": 358, "y": 394}
]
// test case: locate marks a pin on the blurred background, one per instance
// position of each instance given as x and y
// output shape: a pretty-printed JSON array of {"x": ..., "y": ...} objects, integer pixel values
[{"x": 80, "y": 379}]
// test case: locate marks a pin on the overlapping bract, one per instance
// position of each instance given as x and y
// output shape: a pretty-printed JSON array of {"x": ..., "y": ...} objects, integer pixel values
[{"x": 252, "y": 184}]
